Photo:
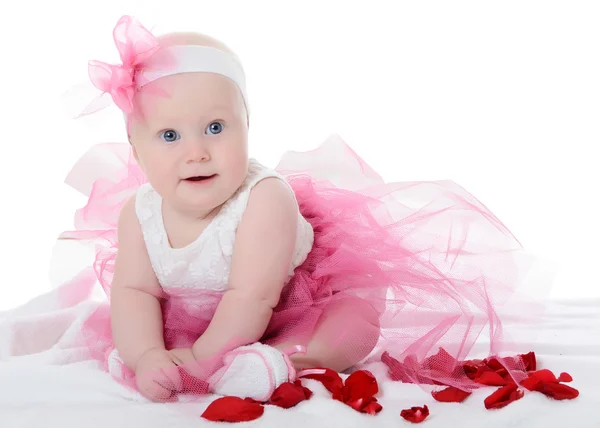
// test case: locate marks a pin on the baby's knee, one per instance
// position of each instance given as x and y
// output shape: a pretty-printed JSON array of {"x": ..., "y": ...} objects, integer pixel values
[{"x": 353, "y": 327}]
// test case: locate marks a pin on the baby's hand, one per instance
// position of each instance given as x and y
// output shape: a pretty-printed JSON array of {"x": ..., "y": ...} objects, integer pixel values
[
  {"x": 182, "y": 356},
  {"x": 157, "y": 376},
  {"x": 198, "y": 370}
]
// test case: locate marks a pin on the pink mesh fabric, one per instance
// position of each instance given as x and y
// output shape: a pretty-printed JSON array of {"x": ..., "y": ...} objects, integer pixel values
[{"x": 414, "y": 272}]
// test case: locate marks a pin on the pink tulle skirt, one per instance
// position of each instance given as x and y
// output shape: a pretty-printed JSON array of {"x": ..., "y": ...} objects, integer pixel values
[{"x": 420, "y": 271}]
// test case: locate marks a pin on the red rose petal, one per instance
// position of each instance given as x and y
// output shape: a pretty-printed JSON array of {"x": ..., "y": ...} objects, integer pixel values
[
  {"x": 307, "y": 392},
  {"x": 544, "y": 375},
  {"x": 396, "y": 370},
  {"x": 474, "y": 368},
  {"x": 365, "y": 405},
  {"x": 356, "y": 404},
  {"x": 565, "y": 377},
  {"x": 503, "y": 396},
  {"x": 372, "y": 408},
  {"x": 289, "y": 394},
  {"x": 487, "y": 372},
  {"x": 494, "y": 364},
  {"x": 330, "y": 380},
  {"x": 360, "y": 384},
  {"x": 529, "y": 361},
  {"x": 415, "y": 414},
  {"x": 545, "y": 382},
  {"x": 503, "y": 373},
  {"x": 558, "y": 391},
  {"x": 491, "y": 379},
  {"x": 497, "y": 367},
  {"x": 232, "y": 409},
  {"x": 450, "y": 395},
  {"x": 356, "y": 392},
  {"x": 441, "y": 362},
  {"x": 530, "y": 383}
]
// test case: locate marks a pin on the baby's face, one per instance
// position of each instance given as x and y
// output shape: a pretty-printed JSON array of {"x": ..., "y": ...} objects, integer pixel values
[{"x": 192, "y": 142}]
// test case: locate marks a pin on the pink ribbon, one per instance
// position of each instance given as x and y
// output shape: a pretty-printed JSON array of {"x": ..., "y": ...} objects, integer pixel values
[{"x": 135, "y": 45}]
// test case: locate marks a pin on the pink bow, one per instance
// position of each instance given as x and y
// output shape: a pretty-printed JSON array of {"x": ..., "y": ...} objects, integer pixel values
[{"x": 135, "y": 45}]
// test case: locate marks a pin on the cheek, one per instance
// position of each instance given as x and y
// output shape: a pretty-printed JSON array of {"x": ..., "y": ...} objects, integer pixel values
[
  {"x": 158, "y": 170},
  {"x": 238, "y": 164}
]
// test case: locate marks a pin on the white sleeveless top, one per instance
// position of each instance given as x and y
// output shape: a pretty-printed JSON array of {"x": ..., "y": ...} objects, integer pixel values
[{"x": 206, "y": 262}]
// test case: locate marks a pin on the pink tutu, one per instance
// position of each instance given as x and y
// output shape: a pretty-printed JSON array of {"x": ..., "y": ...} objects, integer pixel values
[{"x": 434, "y": 264}]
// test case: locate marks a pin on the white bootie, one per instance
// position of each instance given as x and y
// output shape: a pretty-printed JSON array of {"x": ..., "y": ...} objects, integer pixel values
[{"x": 252, "y": 371}]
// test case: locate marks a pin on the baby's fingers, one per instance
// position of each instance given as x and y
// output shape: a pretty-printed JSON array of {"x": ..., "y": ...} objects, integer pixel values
[
  {"x": 153, "y": 390},
  {"x": 163, "y": 378},
  {"x": 171, "y": 378}
]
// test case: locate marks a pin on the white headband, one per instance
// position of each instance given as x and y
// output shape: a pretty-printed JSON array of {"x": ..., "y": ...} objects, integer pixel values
[{"x": 193, "y": 59}]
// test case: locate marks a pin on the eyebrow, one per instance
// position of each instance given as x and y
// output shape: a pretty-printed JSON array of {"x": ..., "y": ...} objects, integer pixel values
[{"x": 213, "y": 113}]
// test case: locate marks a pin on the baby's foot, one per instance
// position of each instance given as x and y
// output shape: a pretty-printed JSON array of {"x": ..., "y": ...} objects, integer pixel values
[{"x": 253, "y": 371}]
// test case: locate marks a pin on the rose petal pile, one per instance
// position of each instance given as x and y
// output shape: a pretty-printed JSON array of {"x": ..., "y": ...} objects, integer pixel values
[
  {"x": 359, "y": 389},
  {"x": 490, "y": 372}
]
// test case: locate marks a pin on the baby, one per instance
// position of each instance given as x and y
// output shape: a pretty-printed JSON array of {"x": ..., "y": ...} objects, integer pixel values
[
  {"x": 239, "y": 275},
  {"x": 211, "y": 218}
]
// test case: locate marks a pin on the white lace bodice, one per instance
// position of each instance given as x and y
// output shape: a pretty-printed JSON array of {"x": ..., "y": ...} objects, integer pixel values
[{"x": 206, "y": 262}]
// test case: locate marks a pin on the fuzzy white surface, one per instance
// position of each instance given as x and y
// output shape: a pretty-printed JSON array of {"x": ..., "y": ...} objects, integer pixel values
[{"x": 42, "y": 384}]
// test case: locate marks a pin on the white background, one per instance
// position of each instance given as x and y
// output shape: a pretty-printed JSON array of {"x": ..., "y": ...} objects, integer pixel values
[{"x": 502, "y": 97}]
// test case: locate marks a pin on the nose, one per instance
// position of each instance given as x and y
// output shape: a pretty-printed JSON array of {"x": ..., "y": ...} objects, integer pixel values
[{"x": 196, "y": 151}]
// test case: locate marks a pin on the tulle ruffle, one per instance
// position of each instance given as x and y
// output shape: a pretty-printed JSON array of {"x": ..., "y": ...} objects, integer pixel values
[{"x": 427, "y": 267}]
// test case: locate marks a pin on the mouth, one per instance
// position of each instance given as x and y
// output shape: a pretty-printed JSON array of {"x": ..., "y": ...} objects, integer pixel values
[{"x": 200, "y": 178}]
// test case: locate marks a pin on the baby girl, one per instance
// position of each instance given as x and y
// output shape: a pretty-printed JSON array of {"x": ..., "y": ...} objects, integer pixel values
[
  {"x": 242, "y": 274},
  {"x": 209, "y": 218}
]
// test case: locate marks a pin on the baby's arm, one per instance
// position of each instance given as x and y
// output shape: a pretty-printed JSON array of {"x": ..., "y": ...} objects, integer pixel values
[
  {"x": 265, "y": 242},
  {"x": 135, "y": 309}
]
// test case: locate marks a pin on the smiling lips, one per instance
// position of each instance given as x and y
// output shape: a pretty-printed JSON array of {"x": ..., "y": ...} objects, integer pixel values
[{"x": 200, "y": 178}]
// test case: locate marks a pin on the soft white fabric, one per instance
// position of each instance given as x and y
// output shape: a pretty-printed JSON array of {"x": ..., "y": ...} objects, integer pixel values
[
  {"x": 54, "y": 387},
  {"x": 205, "y": 263}
]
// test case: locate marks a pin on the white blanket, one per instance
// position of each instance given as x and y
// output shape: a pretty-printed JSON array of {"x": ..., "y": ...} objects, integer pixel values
[{"x": 44, "y": 385}]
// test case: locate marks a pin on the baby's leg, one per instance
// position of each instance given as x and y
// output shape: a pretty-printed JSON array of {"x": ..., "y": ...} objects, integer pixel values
[{"x": 346, "y": 333}]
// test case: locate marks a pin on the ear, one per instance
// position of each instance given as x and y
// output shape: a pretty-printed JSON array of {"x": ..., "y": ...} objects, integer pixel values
[
  {"x": 136, "y": 156},
  {"x": 135, "y": 153}
]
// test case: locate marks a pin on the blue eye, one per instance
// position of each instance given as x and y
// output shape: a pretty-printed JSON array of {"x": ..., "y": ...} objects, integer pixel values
[
  {"x": 215, "y": 127},
  {"x": 170, "y": 135}
]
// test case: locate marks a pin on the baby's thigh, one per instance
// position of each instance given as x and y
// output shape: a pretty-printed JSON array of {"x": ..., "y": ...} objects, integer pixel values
[{"x": 348, "y": 320}]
